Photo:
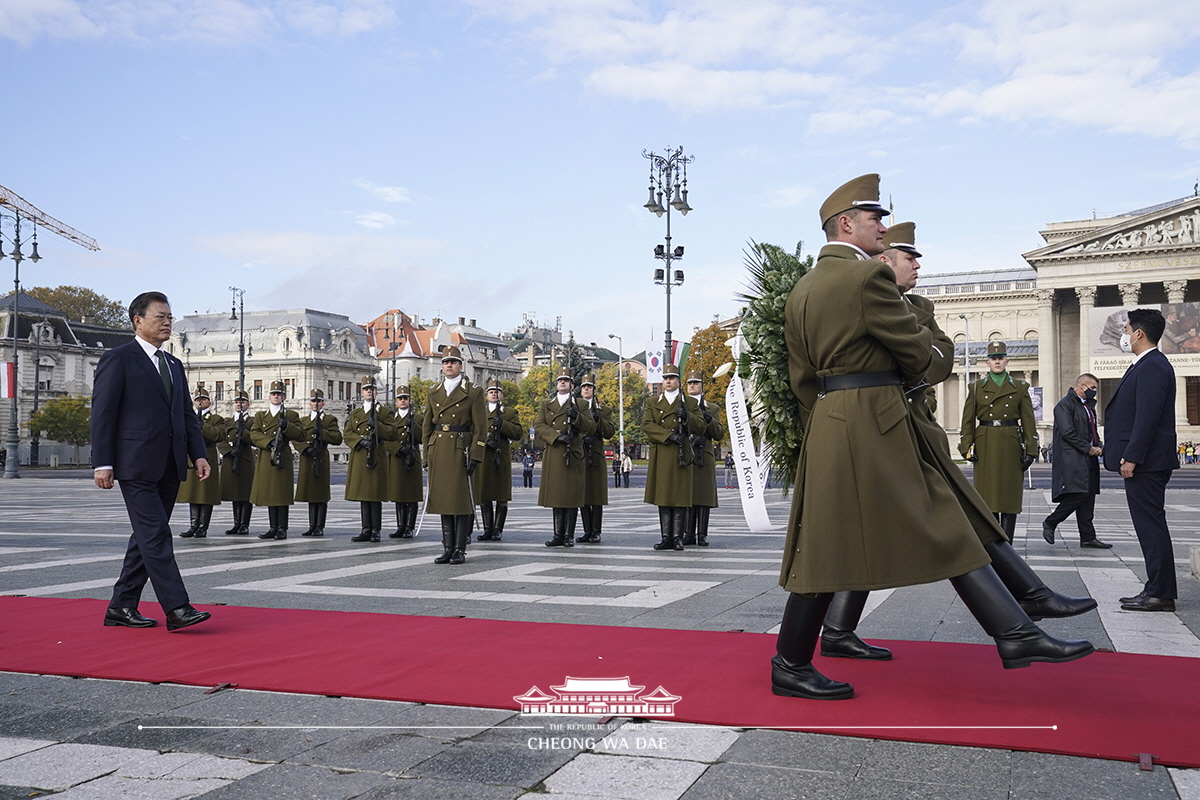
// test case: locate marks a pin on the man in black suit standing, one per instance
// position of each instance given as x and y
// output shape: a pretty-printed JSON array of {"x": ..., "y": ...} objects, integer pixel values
[
  {"x": 1139, "y": 428},
  {"x": 143, "y": 432}
]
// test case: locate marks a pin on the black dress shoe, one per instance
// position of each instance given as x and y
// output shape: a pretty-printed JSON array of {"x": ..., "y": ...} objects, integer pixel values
[
  {"x": 1133, "y": 599},
  {"x": 1048, "y": 532},
  {"x": 846, "y": 644},
  {"x": 185, "y": 616},
  {"x": 267, "y": 534},
  {"x": 1096, "y": 543},
  {"x": 1148, "y": 603},
  {"x": 365, "y": 536},
  {"x": 127, "y": 617},
  {"x": 805, "y": 681}
]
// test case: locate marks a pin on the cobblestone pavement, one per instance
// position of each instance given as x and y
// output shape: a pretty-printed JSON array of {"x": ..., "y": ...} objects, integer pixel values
[{"x": 61, "y": 537}]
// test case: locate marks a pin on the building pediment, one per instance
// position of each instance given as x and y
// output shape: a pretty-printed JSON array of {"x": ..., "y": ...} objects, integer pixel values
[{"x": 1157, "y": 232}]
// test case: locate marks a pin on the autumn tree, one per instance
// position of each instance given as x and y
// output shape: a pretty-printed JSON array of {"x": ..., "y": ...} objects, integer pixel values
[
  {"x": 80, "y": 303},
  {"x": 708, "y": 352},
  {"x": 64, "y": 419},
  {"x": 636, "y": 391}
]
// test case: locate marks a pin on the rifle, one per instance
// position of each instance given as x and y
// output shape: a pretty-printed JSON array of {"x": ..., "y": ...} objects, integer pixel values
[
  {"x": 280, "y": 438},
  {"x": 569, "y": 431},
  {"x": 314, "y": 449},
  {"x": 236, "y": 451},
  {"x": 406, "y": 449},
  {"x": 681, "y": 428},
  {"x": 700, "y": 441},
  {"x": 371, "y": 439},
  {"x": 588, "y": 441},
  {"x": 493, "y": 438}
]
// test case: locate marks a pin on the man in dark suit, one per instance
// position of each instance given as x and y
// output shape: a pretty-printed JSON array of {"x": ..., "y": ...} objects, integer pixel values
[
  {"x": 1139, "y": 428},
  {"x": 1075, "y": 471},
  {"x": 143, "y": 432}
]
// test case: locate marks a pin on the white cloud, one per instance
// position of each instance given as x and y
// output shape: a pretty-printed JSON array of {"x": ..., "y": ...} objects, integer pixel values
[
  {"x": 375, "y": 220},
  {"x": 25, "y": 20},
  {"x": 388, "y": 194},
  {"x": 683, "y": 86}
]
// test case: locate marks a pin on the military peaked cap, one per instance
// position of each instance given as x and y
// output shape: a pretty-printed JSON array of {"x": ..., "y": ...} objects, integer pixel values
[
  {"x": 861, "y": 193},
  {"x": 694, "y": 376},
  {"x": 494, "y": 383},
  {"x": 997, "y": 350},
  {"x": 902, "y": 236},
  {"x": 316, "y": 394},
  {"x": 564, "y": 375},
  {"x": 368, "y": 382},
  {"x": 402, "y": 391},
  {"x": 589, "y": 379},
  {"x": 670, "y": 370},
  {"x": 202, "y": 392},
  {"x": 451, "y": 353},
  {"x": 277, "y": 387}
]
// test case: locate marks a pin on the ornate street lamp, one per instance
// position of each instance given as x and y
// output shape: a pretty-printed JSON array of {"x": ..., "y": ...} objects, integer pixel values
[
  {"x": 239, "y": 304},
  {"x": 13, "y": 445},
  {"x": 668, "y": 182}
]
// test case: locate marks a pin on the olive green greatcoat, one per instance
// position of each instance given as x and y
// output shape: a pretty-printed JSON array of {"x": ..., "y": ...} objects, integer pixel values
[
  {"x": 405, "y": 484},
  {"x": 668, "y": 483},
  {"x": 237, "y": 486},
  {"x": 595, "y": 481},
  {"x": 315, "y": 488},
  {"x": 446, "y": 452},
  {"x": 872, "y": 506},
  {"x": 364, "y": 483},
  {"x": 998, "y": 474},
  {"x": 978, "y": 514},
  {"x": 273, "y": 484},
  {"x": 493, "y": 479},
  {"x": 562, "y": 479},
  {"x": 208, "y": 491},
  {"x": 704, "y": 480}
]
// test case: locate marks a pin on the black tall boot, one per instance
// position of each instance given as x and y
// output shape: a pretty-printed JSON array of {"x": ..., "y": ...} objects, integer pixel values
[
  {"x": 366, "y": 519},
  {"x": 237, "y": 518},
  {"x": 839, "y": 640},
  {"x": 400, "y": 516},
  {"x": 247, "y": 510},
  {"x": 376, "y": 520},
  {"x": 792, "y": 672},
  {"x": 447, "y": 539},
  {"x": 194, "y": 513},
  {"x": 679, "y": 522},
  {"x": 205, "y": 519},
  {"x": 486, "y": 510},
  {"x": 1036, "y": 599},
  {"x": 592, "y": 518},
  {"x": 281, "y": 519},
  {"x": 272, "y": 523},
  {"x": 572, "y": 515},
  {"x": 1009, "y": 523},
  {"x": 410, "y": 520},
  {"x": 312, "y": 519},
  {"x": 501, "y": 515},
  {"x": 702, "y": 513},
  {"x": 664, "y": 528},
  {"x": 322, "y": 510},
  {"x": 560, "y": 528},
  {"x": 1018, "y": 640},
  {"x": 689, "y": 537},
  {"x": 462, "y": 535},
  {"x": 586, "y": 513}
]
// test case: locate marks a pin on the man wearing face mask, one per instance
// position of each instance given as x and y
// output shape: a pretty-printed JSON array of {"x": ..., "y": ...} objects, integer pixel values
[
  {"x": 1139, "y": 426},
  {"x": 1075, "y": 470}
]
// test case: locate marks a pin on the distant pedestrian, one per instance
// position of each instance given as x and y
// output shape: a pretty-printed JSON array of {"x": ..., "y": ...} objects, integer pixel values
[
  {"x": 616, "y": 470},
  {"x": 527, "y": 469},
  {"x": 1075, "y": 474},
  {"x": 626, "y": 468},
  {"x": 729, "y": 470}
]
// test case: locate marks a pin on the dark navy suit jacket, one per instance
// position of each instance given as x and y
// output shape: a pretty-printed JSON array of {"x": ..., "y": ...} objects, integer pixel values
[
  {"x": 1139, "y": 420},
  {"x": 136, "y": 427}
]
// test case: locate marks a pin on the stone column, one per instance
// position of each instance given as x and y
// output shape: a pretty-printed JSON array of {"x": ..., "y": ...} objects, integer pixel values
[
  {"x": 1130, "y": 293},
  {"x": 1087, "y": 299},
  {"x": 1175, "y": 290},
  {"x": 1047, "y": 345}
]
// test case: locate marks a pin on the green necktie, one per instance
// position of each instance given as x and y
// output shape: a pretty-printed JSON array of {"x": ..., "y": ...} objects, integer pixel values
[{"x": 163, "y": 370}]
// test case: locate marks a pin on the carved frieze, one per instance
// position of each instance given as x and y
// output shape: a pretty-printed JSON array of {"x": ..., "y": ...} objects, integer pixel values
[{"x": 1181, "y": 229}]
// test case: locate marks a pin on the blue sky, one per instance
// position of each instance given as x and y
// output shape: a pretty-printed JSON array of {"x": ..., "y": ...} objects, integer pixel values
[{"x": 482, "y": 158}]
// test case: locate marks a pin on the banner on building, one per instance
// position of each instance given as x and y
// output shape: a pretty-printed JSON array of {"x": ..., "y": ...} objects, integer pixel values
[
  {"x": 7, "y": 382},
  {"x": 654, "y": 362},
  {"x": 1180, "y": 341},
  {"x": 1035, "y": 396}
]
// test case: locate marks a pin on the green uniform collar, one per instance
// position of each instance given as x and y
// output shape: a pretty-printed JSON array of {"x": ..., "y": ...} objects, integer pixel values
[{"x": 999, "y": 378}]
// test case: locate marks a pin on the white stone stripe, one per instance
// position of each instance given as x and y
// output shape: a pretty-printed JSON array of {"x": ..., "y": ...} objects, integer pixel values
[{"x": 1157, "y": 633}]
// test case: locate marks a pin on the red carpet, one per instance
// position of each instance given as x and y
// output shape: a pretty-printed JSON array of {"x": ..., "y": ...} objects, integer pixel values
[{"x": 1107, "y": 705}]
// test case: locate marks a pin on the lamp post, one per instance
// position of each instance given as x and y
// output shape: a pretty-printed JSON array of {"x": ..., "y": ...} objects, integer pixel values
[
  {"x": 35, "y": 437},
  {"x": 620, "y": 386},
  {"x": 239, "y": 304},
  {"x": 668, "y": 181},
  {"x": 12, "y": 446}
]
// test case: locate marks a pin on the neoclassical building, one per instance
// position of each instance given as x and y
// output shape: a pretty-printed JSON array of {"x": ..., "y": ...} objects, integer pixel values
[{"x": 1063, "y": 313}]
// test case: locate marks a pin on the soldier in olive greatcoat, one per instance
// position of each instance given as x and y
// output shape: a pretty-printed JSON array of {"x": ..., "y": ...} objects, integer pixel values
[
  {"x": 704, "y": 446},
  {"x": 873, "y": 506},
  {"x": 200, "y": 495},
  {"x": 670, "y": 422},
  {"x": 237, "y": 464},
  {"x": 368, "y": 427},
  {"x": 595, "y": 469},
  {"x": 312, "y": 484},
  {"x": 406, "y": 479},
  {"x": 493, "y": 481},
  {"x": 454, "y": 433},
  {"x": 998, "y": 423},
  {"x": 273, "y": 432},
  {"x": 560, "y": 426}
]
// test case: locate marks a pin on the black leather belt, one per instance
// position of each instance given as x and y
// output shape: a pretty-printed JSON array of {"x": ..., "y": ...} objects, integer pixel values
[
  {"x": 999, "y": 423},
  {"x": 858, "y": 380},
  {"x": 455, "y": 428}
]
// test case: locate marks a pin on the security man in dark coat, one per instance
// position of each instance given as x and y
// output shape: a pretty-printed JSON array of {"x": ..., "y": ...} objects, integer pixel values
[
  {"x": 406, "y": 479},
  {"x": 312, "y": 485},
  {"x": 1075, "y": 468},
  {"x": 562, "y": 422},
  {"x": 998, "y": 423},
  {"x": 704, "y": 445},
  {"x": 595, "y": 482},
  {"x": 237, "y": 464},
  {"x": 670, "y": 422},
  {"x": 367, "y": 428},
  {"x": 203, "y": 495},
  {"x": 493, "y": 480},
  {"x": 454, "y": 432},
  {"x": 273, "y": 432}
]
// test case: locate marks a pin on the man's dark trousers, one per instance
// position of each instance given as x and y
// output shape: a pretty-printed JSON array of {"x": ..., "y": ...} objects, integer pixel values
[
  {"x": 1146, "y": 495},
  {"x": 151, "y": 553},
  {"x": 1083, "y": 506}
]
